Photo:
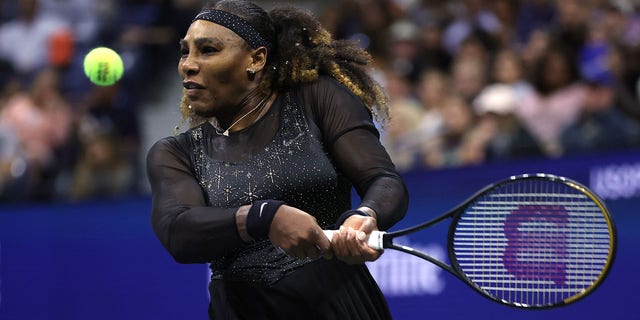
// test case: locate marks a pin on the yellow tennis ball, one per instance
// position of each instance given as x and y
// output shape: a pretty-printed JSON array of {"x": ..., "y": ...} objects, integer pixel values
[{"x": 103, "y": 66}]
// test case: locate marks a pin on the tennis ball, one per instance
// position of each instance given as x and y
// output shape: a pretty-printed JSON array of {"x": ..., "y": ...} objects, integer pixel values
[{"x": 103, "y": 66}]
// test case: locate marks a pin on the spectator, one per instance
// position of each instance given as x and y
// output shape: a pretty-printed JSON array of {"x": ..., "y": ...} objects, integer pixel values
[
  {"x": 432, "y": 53},
  {"x": 447, "y": 149},
  {"x": 468, "y": 77},
  {"x": 508, "y": 69},
  {"x": 571, "y": 23},
  {"x": 82, "y": 17},
  {"x": 601, "y": 125},
  {"x": 498, "y": 135},
  {"x": 436, "y": 12},
  {"x": 608, "y": 55},
  {"x": 556, "y": 101},
  {"x": 476, "y": 47},
  {"x": 108, "y": 110},
  {"x": 365, "y": 21},
  {"x": 404, "y": 50},
  {"x": 473, "y": 18},
  {"x": 532, "y": 51},
  {"x": 506, "y": 11},
  {"x": 619, "y": 22},
  {"x": 24, "y": 41},
  {"x": 399, "y": 137},
  {"x": 69, "y": 46},
  {"x": 102, "y": 170},
  {"x": 13, "y": 168},
  {"x": 432, "y": 89},
  {"x": 41, "y": 121},
  {"x": 432, "y": 92}
]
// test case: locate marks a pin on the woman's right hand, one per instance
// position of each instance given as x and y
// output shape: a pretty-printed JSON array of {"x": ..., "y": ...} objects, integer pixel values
[
  {"x": 349, "y": 243},
  {"x": 298, "y": 234}
]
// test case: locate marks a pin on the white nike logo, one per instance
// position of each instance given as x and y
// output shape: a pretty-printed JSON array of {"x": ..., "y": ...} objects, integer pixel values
[{"x": 262, "y": 207}]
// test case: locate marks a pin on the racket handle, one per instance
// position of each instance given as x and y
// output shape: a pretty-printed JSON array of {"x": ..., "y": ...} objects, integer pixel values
[{"x": 374, "y": 240}]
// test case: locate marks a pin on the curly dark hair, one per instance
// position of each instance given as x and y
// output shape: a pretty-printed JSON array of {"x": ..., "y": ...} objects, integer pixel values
[{"x": 301, "y": 51}]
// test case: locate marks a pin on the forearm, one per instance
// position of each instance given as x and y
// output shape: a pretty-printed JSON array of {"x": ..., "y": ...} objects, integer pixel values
[
  {"x": 365, "y": 162},
  {"x": 387, "y": 197},
  {"x": 197, "y": 235},
  {"x": 191, "y": 231}
]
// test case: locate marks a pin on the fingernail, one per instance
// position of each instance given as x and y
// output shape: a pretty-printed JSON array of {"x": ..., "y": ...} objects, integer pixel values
[{"x": 362, "y": 236}]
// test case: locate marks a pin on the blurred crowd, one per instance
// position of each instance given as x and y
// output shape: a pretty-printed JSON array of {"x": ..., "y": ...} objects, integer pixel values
[
  {"x": 62, "y": 137},
  {"x": 475, "y": 81},
  {"x": 469, "y": 82}
]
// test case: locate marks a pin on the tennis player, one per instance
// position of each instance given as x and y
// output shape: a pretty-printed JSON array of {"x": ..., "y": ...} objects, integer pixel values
[{"x": 281, "y": 128}]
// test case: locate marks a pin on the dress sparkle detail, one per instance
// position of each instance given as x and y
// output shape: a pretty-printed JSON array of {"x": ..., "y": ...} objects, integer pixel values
[{"x": 293, "y": 168}]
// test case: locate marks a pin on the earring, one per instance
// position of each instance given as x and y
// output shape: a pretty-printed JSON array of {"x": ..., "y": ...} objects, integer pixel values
[
  {"x": 189, "y": 107},
  {"x": 251, "y": 71}
]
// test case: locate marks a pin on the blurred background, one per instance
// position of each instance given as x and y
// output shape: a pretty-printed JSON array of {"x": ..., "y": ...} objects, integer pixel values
[{"x": 478, "y": 89}]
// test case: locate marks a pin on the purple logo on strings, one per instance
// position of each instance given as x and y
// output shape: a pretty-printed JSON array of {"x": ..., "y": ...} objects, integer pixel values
[{"x": 536, "y": 243}]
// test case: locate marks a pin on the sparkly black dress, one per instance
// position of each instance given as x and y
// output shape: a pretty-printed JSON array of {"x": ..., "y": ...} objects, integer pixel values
[{"x": 313, "y": 145}]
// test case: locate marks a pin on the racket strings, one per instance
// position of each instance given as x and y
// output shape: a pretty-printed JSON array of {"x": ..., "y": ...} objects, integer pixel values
[{"x": 533, "y": 242}]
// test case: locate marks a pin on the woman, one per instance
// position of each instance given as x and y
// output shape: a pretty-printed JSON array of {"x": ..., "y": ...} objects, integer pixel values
[
  {"x": 556, "y": 101},
  {"x": 281, "y": 129}
]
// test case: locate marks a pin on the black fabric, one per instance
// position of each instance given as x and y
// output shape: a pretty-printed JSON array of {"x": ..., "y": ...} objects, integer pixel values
[
  {"x": 353, "y": 142},
  {"x": 199, "y": 179},
  {"x": 321, "y": 290}
]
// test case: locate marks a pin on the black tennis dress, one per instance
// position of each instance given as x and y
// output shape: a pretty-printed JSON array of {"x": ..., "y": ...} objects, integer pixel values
[{"x": 314, "y": 144}]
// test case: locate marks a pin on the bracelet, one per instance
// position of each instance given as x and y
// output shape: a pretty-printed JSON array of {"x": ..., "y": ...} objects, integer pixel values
[
  {"x": 345, "y": 215},
  {"x": 260, "y": 217}
]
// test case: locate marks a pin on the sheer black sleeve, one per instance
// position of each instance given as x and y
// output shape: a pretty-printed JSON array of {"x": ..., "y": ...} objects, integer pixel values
[
  {"x": 353, "y": 142},
  {"x": 187, "y": 228}
]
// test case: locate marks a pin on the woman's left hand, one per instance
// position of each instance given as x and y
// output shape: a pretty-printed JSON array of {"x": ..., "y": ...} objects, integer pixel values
[{"x": 349, "y": 243}]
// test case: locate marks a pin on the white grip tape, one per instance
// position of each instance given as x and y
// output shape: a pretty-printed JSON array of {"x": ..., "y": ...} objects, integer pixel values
[{"x": 374, "y": 241}]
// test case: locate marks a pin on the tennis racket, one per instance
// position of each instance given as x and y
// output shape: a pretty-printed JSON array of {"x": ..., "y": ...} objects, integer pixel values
[{"x": 529, "y": 241}]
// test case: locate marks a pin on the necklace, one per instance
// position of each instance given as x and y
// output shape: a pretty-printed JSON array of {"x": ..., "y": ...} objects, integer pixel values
[{"x": 226, "y": 132}]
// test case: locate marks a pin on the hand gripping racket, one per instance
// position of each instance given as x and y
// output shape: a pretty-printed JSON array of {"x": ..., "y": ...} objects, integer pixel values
[{"x": 529, "y": 241}]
